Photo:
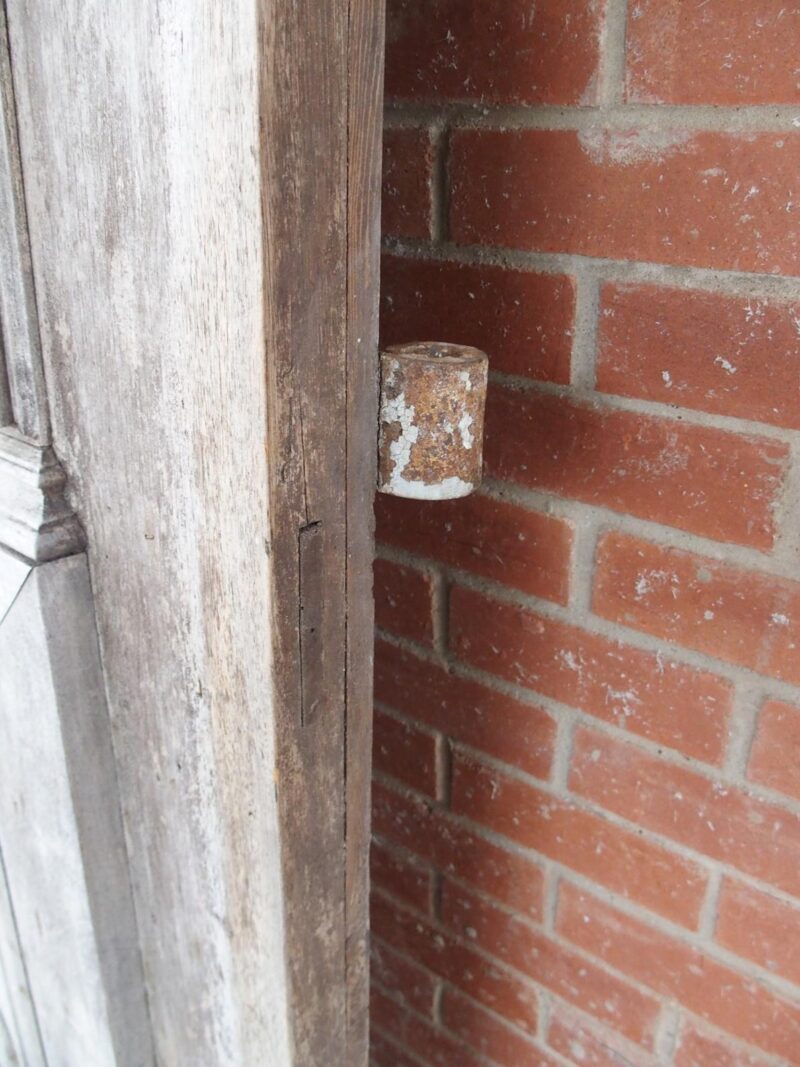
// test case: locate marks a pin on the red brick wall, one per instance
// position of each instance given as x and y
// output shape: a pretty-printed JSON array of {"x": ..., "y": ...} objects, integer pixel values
[{"x": 587, "y": 746}]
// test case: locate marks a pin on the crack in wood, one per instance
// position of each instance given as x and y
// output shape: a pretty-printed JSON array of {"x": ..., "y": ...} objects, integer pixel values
[{"x": 310, "y": 557}]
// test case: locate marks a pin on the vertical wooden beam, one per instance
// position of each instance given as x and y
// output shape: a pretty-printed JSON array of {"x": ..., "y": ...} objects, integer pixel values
[
  {"x": 365, "y": 128},
  {"x": 304, "y": 161},
  {"x": 323, "y": 103},
  {"x": 321, "y": 90}
]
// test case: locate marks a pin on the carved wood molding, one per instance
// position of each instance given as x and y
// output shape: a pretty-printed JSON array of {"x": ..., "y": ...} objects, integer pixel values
[{"x": 36, "y": 519}]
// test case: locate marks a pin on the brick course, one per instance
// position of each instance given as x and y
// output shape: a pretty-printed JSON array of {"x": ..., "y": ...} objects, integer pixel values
[
  {"x": 496, "y": 539},
  {"x": 412, "y": 824},
  {"x": 511, "y": 730},
  {"x": 624, "y": 860},
  {"x": 755, "y": 925},
  {"x": 411, "y": 984},
  {"x": 407, "y": 173},
  {"x": 488, "y": 1034},
  {"x": 775, "y": 756},
  {"x": 576, "y": 1038},
  {"x": 647, "y": 693},
  {"x": 405, "y": 751},
  {"x": 498, "y": 51},
  {"x": 655, "y": 468},
  {"x": 722, "y": 821},
  {"x": 664, "y": 964},
  {"x": 403, "y": 601},
  {"x": 525, "y": 318},
  {"x": 554, "y": 966},
  {"x": 417, "y": 1034},
  {"x": 494, "y": 986},
  {"x": 744, "y": 616},
  {"x": 713, "y": 53},
  {"x": 587, "y": 795},
  {"x": 697, "y": 1048},
  {"x": 698, "y": 199},
  {"x": 726, "y": 354}
]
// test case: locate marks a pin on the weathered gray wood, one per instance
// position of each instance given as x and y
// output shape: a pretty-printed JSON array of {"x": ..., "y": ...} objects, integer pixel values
[
  {"x": 140, "y": 147},
  {"x": 210, "y": 344},
  {"x": 61, "y": 832},
  {"x": 13, "y": 572},
  {"x": 20, "y": 1039},
  {"x": 72, "y": 990},
  {"x": 23, "y": 398},
  {"x": 36, "y": 519}
]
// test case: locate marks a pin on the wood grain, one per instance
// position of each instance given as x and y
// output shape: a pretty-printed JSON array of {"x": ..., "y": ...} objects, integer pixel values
[
  {"x": 140, "y": 149},
  {"x": 36, "y": 518},
  {"x": 202, "y": 192},
  {"x": 20, "y": 1038},
  {"x": 321, "y": 156},
  {"x": 63, "y": 850},
  {"x": 304, "y": 159},
  {"x": 365, "y": 127},
  {"x": 23, "y": 397}
]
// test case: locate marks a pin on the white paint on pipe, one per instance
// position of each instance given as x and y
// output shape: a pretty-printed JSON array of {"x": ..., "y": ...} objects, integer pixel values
[{"x": 448, "y": 489}]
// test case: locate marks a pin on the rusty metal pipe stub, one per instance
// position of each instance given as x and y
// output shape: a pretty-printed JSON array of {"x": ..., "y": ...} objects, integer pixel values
[{"x": 430, "y": 443}]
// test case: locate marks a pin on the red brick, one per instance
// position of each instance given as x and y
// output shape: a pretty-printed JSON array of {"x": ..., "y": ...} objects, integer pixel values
[
  {"x": 404, "y": 978},
  {"x": 675, "y": 197},
  {"x": 488, "y": 1035},
  {"x": 620, "y": 859},
  {"x": 639, "y": 691},
  {"x": 383, "y": 1053},
  {"x": 565, "y": 973},
  {"x": 493, "y": 538},
  {"x": 586, "y": 1044},
  {"x": 708, "y": 481},
  {"x": 700, "y": 1049},
  {"x": 493, "y": 986},
  {"x": 403, "y": 603},
  {"x": 404, "y": 752},
  {"x": 522, "y": 320},
  {"x": 715, "y": 52},
  {"x": 508, "y": 729},
  {"x": 498, "y": 51},
  {"x": 760, "y": 928},
  {"x": 401, "y": 876},
  {"x": 775, "y": 759},
  {"x": 407, "y": 173},
  {"x": 729, "y": 355},
  {"x": 725, "y": 823},
  {"x": 710, "y": 989},
  {"x": 436, "y": 837},
  {"x": 742, "y": 616},
  {"x": 419, "y": 1036}
]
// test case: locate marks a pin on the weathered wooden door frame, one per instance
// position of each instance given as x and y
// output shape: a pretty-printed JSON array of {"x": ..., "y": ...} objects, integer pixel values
[
  {"x": 200, "y": 184},
  {"x": 321, "y": 128}
]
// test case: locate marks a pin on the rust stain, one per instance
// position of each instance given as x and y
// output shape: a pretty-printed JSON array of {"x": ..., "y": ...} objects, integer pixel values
[{"x": 431, "y": 422}]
